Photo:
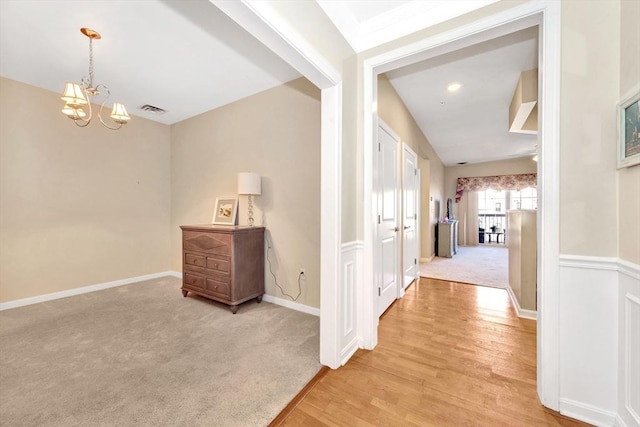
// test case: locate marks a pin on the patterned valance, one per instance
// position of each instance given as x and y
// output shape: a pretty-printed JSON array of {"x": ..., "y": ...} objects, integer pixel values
[{"x": 499, "y": 182}]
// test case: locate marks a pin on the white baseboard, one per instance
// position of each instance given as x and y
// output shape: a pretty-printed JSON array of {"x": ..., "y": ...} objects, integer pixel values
[
  {"x": 83, "y": 290},
  {"x": 423, "y": 260},
  {"x": 587, "y": 413},
  {"x": 523, "y": 313},
  {"x": 291, "y": 304},
  {"x": 175, "y": 274},
  {"x": 349, "y": 351}
]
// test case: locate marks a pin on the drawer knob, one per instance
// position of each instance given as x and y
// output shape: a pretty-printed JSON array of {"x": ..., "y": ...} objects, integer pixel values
[{"x": 216, "y": 265}]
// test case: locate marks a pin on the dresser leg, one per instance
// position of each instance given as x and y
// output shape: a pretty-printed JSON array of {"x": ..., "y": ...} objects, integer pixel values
[
  {"x": 259, "y": 299},
  {"x": 234, "y": 309},
  {"x": 184, "y": 292}
]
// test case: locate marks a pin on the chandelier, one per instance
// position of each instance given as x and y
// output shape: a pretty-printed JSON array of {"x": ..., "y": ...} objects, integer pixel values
[{"x": 77, "y": 97}]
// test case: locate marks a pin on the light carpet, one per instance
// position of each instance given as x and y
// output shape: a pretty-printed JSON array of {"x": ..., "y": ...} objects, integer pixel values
[
  {"x": 142, "y": 355},
  {"x": 477, "y": 265}
]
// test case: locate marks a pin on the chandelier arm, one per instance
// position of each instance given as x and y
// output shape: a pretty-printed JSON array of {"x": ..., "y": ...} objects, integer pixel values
[
  {"x": 85, "y": 122},
  {"x": 102, "y": 106}
]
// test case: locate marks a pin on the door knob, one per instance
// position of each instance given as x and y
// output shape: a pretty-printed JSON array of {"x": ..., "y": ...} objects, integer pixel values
[
  {"x": 395, "y": 229},
  {"x": 406, "y": 227}
]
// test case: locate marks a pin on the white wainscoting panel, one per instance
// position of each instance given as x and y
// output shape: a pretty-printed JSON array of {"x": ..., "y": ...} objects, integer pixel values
[
  {"x": 629, "y": 354},
  {"x": 350, "y": 275},
  {"x": 588, "y": 332}
]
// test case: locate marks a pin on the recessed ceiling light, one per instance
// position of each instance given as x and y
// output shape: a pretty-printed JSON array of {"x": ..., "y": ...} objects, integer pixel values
[{"x": 454, "y": 87}]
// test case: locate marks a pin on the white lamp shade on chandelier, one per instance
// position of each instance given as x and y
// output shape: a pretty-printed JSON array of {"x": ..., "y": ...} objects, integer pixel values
[
  {"x": 73, "y": 94},
  {"x": 249, "y": 183},
  {"x": 119, "y": 113}
]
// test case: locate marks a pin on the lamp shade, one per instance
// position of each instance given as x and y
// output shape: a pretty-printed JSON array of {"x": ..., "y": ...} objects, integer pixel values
[
  {"x": 249, "y": 183},
  {"x": 74, "y": 112},
  {"x": 119, "y": 113},
  {"x": 72, "y": 94}
]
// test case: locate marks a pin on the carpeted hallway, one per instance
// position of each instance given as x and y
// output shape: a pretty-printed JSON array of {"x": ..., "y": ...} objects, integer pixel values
[
  {"x": 485, "y": 265},
  {"x": 143, "y": 355}
]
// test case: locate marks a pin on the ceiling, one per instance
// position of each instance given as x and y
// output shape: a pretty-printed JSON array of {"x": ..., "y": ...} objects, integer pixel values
[
  {"x": 187, "y": 57},
  {"x": 472, "y": 124},
  {"x": 366, "y": 24}
]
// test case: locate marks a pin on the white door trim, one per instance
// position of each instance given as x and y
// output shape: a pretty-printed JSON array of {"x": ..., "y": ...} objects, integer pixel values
[
  {"x": 546, "y": 13},
  {"x": 260, "y": 20}
]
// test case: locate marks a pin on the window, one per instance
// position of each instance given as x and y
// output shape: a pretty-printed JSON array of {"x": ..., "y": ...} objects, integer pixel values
[
  {"x": 491, "y": 209},
  {"x": 523, "y": 199},
  {"x": 493, "y": 206}
]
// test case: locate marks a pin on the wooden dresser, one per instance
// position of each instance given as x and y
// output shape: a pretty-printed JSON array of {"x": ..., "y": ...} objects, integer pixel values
[{"x": 223, "y": 263}]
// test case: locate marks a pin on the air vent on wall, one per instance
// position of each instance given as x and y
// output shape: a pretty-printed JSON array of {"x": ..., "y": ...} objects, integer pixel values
[{"x": 151, "y": 109}]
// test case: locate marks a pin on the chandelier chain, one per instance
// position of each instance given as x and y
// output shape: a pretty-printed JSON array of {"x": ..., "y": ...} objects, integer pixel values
[
  {"x": 91, "y": 61},
  {"x": 90, "y": 82}
]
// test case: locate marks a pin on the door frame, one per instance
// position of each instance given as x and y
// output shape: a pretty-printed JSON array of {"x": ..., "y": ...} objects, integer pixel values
[{"x": 545, "y": 14}]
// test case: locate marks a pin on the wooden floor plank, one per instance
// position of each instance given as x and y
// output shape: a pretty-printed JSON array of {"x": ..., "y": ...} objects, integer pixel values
[{"x": 448, "y": 354}]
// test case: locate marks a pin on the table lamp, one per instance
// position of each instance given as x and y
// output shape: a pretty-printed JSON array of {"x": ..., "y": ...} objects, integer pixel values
[{"x": 249, "y": 184}]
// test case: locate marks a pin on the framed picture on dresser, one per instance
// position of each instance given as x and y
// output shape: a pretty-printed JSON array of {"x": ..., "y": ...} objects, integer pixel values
[
  {"x": 225, "y": 211},
  {"x": 629, "y": 130}
]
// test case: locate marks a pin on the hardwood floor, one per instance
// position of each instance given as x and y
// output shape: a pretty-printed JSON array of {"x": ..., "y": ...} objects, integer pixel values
[{"x": 448, "y": 354}]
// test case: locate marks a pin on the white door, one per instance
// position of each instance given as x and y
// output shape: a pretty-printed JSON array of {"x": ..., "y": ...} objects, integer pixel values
[
  {"x": 388, "y": 236},
  {"x": 410, "y": 203}
]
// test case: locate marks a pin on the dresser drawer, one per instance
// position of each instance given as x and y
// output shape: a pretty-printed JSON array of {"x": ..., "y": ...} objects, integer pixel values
[
  {"x": 211, "y": 243},
  {"x": 218, "y": 265},
  {"x": 194, "y": 280},
  {"x": 193, "y": 260},
  {"x": 218, "y": 286}
]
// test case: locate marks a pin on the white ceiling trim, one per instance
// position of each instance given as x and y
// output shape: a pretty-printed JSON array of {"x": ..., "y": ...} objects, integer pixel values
[
  {"x": 400, "y": 21},
  {"x": 344, "y": 20},
  {"x": 264, "y": 23}
]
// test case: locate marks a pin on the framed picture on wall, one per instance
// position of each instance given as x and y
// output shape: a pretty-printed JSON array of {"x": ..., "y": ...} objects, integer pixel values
[
  {"x": 629, "y": 130},
  {"x": 225, "y": 211}
]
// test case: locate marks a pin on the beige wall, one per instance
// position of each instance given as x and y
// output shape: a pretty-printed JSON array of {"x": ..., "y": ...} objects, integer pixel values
[
  {"x": 275, "y": 133},
  {"x": 590, "y": 73},
  {"x": 393, "y": 112},
  {"x": 629, "y": 178},
  {"x": 78, "y": 206},
  {"x": 352, "y": 159}
]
